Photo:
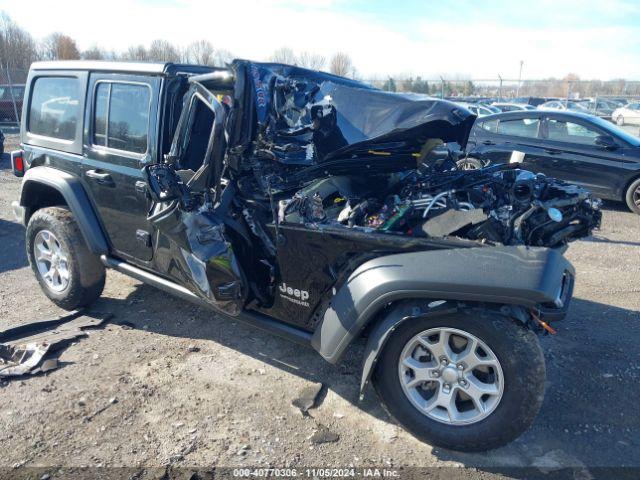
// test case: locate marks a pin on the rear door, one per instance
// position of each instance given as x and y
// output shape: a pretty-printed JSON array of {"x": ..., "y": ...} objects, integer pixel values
[
  {"x": 120, "y": 139},
  {"x": 571, "y": 154}
]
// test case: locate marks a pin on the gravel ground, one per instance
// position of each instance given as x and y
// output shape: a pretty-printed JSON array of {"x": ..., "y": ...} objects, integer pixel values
[{"x": 178, "y": 386}]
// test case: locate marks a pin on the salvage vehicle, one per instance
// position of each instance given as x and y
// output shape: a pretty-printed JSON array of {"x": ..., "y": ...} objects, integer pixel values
[
  {"x": 317, "y": 208},
  {"x": 10, "y": 102},
  {"x": 575, "y": 147}
]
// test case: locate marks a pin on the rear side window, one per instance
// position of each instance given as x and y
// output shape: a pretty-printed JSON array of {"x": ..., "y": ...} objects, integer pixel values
[
  {"x": 55, "y": 107},
  {"x": 121, "y": 116},
  {"x": 570, "y": 132},
  {"x": 520, "y": 127}
]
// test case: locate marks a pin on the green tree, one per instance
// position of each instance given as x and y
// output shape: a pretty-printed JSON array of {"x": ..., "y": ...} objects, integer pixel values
[
  {"x": 420, "y": 86},
  {"x": 389, "y": 85}
]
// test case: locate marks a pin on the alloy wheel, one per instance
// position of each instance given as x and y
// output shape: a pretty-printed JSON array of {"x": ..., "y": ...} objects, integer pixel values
[
  {"x": 451, "y": 376},
  {"x": 51, "y": 260}
]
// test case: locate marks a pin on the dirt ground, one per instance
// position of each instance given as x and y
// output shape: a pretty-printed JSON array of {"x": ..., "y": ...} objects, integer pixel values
[{"x": 175, "y": 385}]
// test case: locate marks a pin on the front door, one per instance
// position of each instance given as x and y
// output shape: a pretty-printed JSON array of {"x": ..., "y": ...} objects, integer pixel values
[{"x": 119, "y": 141}]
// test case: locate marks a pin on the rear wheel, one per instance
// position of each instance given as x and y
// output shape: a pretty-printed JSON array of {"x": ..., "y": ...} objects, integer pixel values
[
  {"x": 68, "y": 273},
  {"x": 468, "y": 381},
  {"x": 632, "y": 196}
]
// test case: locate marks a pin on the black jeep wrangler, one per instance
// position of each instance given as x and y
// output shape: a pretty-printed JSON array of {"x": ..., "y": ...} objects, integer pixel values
[{"x": 314, "y": 207}]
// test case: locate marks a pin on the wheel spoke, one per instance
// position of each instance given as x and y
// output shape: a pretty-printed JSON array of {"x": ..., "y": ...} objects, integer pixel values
[
  {"x": 477, "y": 389},
  {"x": 63, "y": 273},
  {"x": 470, "y": 358},
  {"x": 447, "y": 400},
  {"x": 49, "y": 275},
  {"x": 421, "y": 372},
  {"x": 43, "y": 253},
  {"x": 440, "y": 348}
]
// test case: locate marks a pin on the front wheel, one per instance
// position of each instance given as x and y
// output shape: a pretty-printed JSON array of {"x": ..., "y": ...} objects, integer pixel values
[
  {"x": 469, "y": 381},
  {"x": 68, "y": 273}
]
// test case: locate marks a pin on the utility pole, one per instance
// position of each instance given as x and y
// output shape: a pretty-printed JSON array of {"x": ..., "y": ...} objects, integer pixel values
[
  {"x": 441, "y": 87},
  {"x": 500, "y": 89},
  {"x": 519, "y": 79}
]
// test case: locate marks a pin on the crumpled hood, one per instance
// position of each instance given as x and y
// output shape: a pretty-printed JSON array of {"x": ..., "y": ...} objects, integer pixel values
[{"x": 308, "y": 116}]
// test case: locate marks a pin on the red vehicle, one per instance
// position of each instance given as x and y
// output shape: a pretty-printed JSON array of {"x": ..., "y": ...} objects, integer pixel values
[{"x": 9, "y": 95}]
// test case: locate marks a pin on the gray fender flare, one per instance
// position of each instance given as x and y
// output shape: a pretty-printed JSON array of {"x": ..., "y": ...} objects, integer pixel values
[
  {"x": 384, "y": 328},
  {"x": 76, "y": 198},
  {"x": 515, "y": 275}
]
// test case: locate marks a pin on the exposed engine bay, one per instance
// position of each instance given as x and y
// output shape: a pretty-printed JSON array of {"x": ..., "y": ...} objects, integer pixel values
[
  {"x": 334, "y": 152},
  {"x": 497, "y": 205}
]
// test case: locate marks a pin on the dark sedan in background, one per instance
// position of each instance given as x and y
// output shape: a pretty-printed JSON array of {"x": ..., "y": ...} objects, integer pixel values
[{"x": 575, "y": 147}]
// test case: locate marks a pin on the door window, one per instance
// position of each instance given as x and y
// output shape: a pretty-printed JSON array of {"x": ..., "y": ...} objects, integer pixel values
[
  {"x": 520, "y": 127},
  {"x": 569, "y": 132},
  {"x": 121, "y": 116},
  {"x": 490, "y": 126},
  {"x": 54, "y": 108},
  {"x": 196, "y": 141}
]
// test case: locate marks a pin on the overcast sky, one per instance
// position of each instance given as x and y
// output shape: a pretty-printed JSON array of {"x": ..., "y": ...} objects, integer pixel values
[{"x": 475, "y": 38}]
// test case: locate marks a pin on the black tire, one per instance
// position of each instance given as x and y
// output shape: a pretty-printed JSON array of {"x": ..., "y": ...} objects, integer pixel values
[
  {"x": 632, "y": 196},
  {"x": 469, "y": 163},
  {"x": 523, "y": 367},
  {"x": 86, "y": 272}
]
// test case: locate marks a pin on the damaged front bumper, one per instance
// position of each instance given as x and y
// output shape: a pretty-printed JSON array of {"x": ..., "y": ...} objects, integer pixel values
[{"x": 552, "y": 312}]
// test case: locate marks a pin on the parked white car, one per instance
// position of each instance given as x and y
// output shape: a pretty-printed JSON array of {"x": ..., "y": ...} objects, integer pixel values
[
  {"x": 512, "y": 107},
  {"x": 627, "y": 115},
  {"x": 479, "y": 109},
  {"x": 564, "y": 105}
]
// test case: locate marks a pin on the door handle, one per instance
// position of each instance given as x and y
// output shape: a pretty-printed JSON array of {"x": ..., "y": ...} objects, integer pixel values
[
  {"x": 488, "y": 142},
  {"x": 141, "y": 188},
  {"x": 552, "y": 152},
  {"x": 100, "y": 177}
]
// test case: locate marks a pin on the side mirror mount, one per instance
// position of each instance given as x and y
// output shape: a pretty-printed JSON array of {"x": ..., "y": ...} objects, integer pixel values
[
  {"x": 165, "y": 185},
  {"x": 606, "y": 141}
]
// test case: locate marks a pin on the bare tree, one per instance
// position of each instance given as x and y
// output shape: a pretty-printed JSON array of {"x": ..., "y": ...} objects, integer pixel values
[
  {"x": 17, "y": 47},
  {"x": 284, "y": 55},
  {"x": 136, "y": 53},
  {"x": 58, "y": 46},
  {"x": 201, "y": 52},
  {"x": 341, "y": 64},
  {"x": 311, "y": 60},
  {"x": 163, "y": 51},
  {"x": 94, "y": 53},
  {"x": 222, "y": 58}
]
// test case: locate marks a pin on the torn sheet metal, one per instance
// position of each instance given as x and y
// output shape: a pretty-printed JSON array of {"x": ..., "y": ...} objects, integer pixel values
[
  {"x": 20, "y": 360},
  {"x": 306, "y": 116},
  {"x": 21, "y": 355}
]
